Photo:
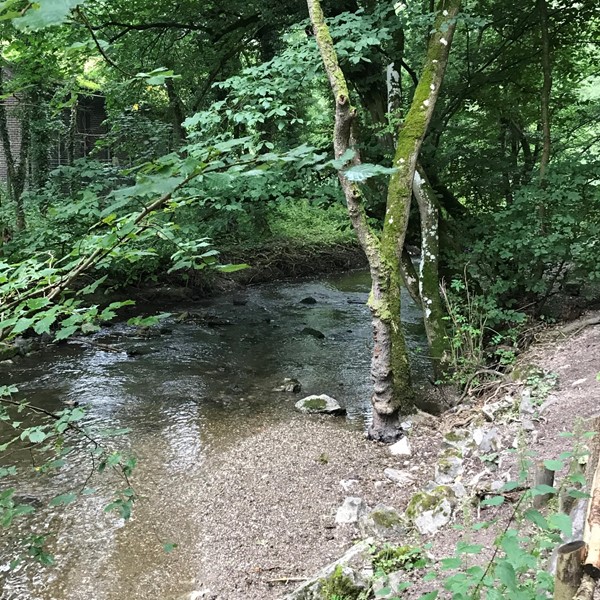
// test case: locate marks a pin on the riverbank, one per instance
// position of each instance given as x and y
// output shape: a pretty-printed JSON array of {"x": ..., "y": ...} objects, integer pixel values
[{"x": 268, "y": 517}]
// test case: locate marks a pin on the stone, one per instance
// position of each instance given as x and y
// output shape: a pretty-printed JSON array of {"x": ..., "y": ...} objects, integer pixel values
[
  {"x": 7, "y": 352},
  {"x": 401, "y": 448},
  {"x": 384, "y": 523},
  {"x": 430, "y": 522},
  {"x": 353, "y": 564},
  {"x": 460, "y": 440},
  {"x": 398, "y": 476},
  {"x": 431, "y": 510},
  {"x": 449, "y": 466},
  {"x": 348, "y": 484},
  {"x": 487, "y": 440},
  {"x": 392, "y": 581},
  {"x": 319, "y": 335},
  {"x": 493, "y": 409},
  {"x": 322, "y": 404},
  {"x": 308, "y": 300},
  {"x": 289, "y": 385},
  {"x": 350, "y": 511}
]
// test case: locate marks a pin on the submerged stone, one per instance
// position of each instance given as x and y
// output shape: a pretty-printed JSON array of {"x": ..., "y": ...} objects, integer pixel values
[
  {"x": 289, "y": 385},
  {"x": 314, "y": 333},
  {"x": 322, "y": 404}
]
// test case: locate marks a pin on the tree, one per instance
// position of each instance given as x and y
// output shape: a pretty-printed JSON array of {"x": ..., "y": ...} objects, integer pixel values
[{"x": 390, "y": 371}]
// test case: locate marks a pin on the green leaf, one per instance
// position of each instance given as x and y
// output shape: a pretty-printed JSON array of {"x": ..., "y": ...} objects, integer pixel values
[
  {"x": 22, "y": 325},
  {"x": 45, "y": 13},
  {"x": 509, "y": 486},
  {"x": 429, "y": 596},
  {"x": 561, "y": 522},
  {"x": 37, "y": 303},
  {"x": 493, "y": 501},
  {"x": 231, "y": 268},
  {"x": 577, "y": 494},
  {"x": 466, "y": 548},
  {"x": 362, "y": 172},
  {"x": 536, "y": 517},
  {"x": 63, "y": 499},
  {"x": 384, "y": 591},
  {"x": 36, "y": 436},
  {"x": 44, "y": 324},
  {"x": 65, "y": 332},
  {"x": 505, "y": 572},
  {"x": 554, "y": 465},
  {"x": 542, "y": 489},
  {"x": 451, "y": 563}
]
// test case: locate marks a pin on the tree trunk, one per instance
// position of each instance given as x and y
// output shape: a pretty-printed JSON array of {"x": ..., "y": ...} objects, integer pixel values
[
  {"x": 390, "y": 370},
  {"x": 546, "y": 89},
  {"x": 434, "y": 315}
]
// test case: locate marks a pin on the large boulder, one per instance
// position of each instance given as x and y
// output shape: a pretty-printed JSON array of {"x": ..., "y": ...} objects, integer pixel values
[{"x": 322, "y": 404}]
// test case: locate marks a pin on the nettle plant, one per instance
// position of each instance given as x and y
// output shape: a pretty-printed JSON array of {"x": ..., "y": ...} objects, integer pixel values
[{"x": 517, "y": 564}]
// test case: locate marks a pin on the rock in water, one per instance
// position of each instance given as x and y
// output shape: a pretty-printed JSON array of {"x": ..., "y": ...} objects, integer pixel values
[
  {"x": 314, "y": 333},
  {"x": 322, "y": 404},
  {"x": 308, "y": 300},
  {"x": 289, "y": 385}
]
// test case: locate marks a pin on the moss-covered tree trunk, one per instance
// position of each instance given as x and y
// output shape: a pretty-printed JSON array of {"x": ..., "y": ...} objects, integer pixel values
[{"x": 390, "y": 369}]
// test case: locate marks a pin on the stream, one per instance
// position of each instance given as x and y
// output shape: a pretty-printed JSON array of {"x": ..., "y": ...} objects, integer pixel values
[{"x": 189, "y": 389}]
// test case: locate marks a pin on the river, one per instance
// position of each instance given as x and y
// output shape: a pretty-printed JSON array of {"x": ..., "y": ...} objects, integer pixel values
[{"x": 204, "y": 380}]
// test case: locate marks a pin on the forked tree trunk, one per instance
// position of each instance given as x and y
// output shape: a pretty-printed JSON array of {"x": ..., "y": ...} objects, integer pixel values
[{"x": 390, "y": 370}]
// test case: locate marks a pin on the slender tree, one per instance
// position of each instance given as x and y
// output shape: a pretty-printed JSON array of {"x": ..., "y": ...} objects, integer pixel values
[{"x": 390, "y": 370}]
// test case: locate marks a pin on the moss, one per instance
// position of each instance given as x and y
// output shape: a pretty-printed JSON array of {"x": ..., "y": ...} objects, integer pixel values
[
  {"x": 385, "y": 518},
  {"x": 315, "y": 404},
  {"x": 424, "y": 501},
  {"x": 453, "y": 437},
  {"x": 394, "y": 558},
  {"x": 7, "y": 352},
  {"x": 339, "y": 587}
]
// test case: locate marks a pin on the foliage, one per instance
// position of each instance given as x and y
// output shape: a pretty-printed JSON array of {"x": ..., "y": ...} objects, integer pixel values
[
  {"x": 525, "y": 539},
  {"x": 474, "y": 321},
  {"x": 339, "y": 586},
  {"x": 53, "y": 440}
]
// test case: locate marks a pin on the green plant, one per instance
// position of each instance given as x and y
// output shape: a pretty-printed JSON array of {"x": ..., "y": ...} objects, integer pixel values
[
  {"x": 394, "y": 558},
  {"x": 339, "y": 586}
]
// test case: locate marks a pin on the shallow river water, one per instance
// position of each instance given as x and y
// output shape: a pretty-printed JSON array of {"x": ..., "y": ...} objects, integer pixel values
[{"x": 204, "y": 383}]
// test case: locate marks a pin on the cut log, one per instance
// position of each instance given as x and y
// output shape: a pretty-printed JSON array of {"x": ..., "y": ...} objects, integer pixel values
[
  {"x": 591, "y": 533},
  {"x": 569, "y": 570},
  {"x": 543, "y": 476}
]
